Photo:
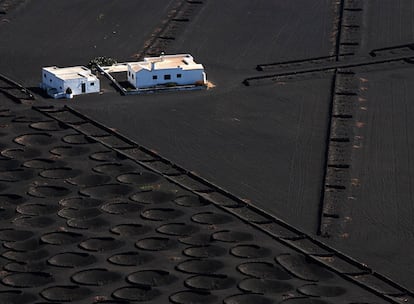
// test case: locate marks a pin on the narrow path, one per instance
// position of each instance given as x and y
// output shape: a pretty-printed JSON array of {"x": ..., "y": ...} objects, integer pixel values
[{"x": 178, "y": 17}]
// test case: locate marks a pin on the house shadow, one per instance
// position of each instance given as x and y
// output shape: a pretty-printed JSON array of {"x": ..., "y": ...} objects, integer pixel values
[
  {"x": 39, "y": 92},
  {"x": 126, "y": 85}
]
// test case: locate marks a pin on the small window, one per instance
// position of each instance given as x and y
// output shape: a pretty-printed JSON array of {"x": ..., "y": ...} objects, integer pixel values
[
  {"x": 92, "y": 84},
  {"x": 44, "y": 75},
  {"x": 132, "y": 76},
  {"x": 129, "y": 73},
  {"x": 50, "y": 80},
  {"x": 60, "y": 88},
  {"x": 167, "y": 77},
  {"x": 178, "y": 75},
  {"x": 154, "y": 77}
]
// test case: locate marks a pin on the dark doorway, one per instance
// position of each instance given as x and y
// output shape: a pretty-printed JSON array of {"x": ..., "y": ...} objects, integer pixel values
[{"x": 83, "y": 87}]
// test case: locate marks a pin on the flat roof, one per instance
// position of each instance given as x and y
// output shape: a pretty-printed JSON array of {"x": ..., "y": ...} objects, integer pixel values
[
  {"x": 70, "y": 72},
  {"x": 183, "y": 61}
]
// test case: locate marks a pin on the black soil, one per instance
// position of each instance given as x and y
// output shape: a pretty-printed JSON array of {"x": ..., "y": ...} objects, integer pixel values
[{"x": 270, "y": 143}]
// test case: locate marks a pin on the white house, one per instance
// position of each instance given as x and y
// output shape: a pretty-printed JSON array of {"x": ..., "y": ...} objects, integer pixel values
[
  {"x": 166, "y": 69},
  {"x": 67, "y": 82}
]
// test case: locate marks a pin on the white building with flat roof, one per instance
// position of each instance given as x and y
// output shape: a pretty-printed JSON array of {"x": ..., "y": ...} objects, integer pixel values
[
  {"x": 70, "y": 81},
  {"x": 178, "y": 69}
]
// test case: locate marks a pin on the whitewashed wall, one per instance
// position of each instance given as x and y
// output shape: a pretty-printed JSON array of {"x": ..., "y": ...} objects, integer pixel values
[
  {"x": 49, "y": 80},
  {"x": 144, "y": 78},
  {"x": 52, "y": 81}
]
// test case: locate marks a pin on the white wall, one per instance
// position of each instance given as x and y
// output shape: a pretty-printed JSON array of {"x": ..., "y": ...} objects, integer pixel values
[
  {"x": 144, "y": 78},
  {"x": 130, "y": 74},
  {"x": 76, "y": 86},
  {"x": 51, "y": 81},
  {"x": 95, "y": 88}
]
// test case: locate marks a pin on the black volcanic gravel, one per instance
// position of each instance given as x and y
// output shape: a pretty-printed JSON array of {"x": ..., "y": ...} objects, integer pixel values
[{"x": 266, "y": 143}]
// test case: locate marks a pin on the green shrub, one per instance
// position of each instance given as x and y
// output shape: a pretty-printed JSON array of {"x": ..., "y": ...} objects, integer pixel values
[{"x": 102, "y": 61}]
